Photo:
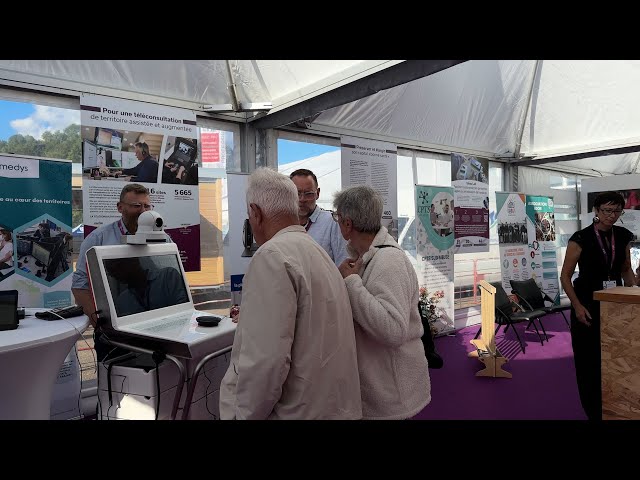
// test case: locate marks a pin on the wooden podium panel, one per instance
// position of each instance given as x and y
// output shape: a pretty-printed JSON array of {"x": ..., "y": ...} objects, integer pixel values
[{"x": 620, "y": 350}]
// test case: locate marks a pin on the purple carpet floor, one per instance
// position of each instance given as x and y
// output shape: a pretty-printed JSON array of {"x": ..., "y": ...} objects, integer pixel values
[{"x": 543, "y": 386}]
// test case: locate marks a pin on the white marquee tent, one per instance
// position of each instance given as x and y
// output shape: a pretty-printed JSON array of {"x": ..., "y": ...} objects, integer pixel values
[{"x": 584, "y": 113}]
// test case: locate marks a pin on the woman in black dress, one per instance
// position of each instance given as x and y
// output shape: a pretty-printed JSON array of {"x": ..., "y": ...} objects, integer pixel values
[{"x": 602, "y": 251}]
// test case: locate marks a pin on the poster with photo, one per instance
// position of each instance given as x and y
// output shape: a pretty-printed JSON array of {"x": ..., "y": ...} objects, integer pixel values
[
  {"x": 35, "y": 230},
  {"x": 373, "y": 163},
  {"x": 434, "y": 252},
  {"x": 513, "y": 238},
  {"x": 123, "y": 142},
  {"x": 470, "y": 180},
  {"x": 542, "y": 244}
]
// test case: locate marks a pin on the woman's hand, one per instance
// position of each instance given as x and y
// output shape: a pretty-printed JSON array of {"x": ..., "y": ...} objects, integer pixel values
[
  {"x": 350, "y": 266},
  {"x": 582, "y": 314}
]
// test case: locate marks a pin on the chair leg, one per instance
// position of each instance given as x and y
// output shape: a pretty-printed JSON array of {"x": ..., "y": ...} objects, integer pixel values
[
  {"x": 518, "y": 337},
  {"x": 478, "y": 333},
  {"x": 497, "y": 328},
  {"x": 543, "y": 330},
  {"x": 565, "y": 319},
  {"x": 538, "y": 332}
]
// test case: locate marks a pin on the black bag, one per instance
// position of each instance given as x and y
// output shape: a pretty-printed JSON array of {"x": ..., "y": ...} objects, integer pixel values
[{"x": 433, "y": 358}]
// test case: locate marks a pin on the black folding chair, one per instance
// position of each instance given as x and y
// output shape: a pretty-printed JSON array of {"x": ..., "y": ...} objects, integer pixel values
[
  {"x": 507, "y": 317},
  {"x": 533, "y": 298}
]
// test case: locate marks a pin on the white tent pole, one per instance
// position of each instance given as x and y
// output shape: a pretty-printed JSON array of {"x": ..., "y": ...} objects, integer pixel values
[{"x": 520, "y": 132}]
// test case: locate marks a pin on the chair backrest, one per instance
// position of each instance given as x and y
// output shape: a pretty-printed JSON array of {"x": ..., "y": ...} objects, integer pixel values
[
  {"x": 503, "y": 302},
  {"x": 529, "y": 291}
]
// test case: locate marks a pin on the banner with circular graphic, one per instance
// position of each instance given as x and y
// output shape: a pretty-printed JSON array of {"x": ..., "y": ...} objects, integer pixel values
[{"x": 434, "y": 251}]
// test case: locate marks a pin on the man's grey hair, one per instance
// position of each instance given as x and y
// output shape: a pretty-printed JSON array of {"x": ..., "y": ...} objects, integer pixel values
[
  {"x": 273, "y": 192},
  {"x": 362, "y": 205}
]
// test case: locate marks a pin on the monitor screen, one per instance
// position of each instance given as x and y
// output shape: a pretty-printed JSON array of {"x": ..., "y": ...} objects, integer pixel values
[
  {"x": 40, "y": 253},
  {"x": 24, "y": 247},
  {"x": 103, "y": 136},
  {"x": 89, "y": 154},
  {"x": 145, "y": 283},
  {"x": 108, "y": 138},
  {"x": 185, "y": 149},
  {"x": 8, "y": 309}
]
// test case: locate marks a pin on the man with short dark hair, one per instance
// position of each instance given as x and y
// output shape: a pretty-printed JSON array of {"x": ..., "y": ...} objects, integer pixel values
[
  {"x": 318, "y": 222},
  {"x": 134, "y": 199}
]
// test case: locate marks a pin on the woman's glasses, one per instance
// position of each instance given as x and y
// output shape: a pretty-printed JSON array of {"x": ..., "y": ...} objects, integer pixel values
[
  {"x": 336, "y": 216},
  {"x": 609, "y": 211}
]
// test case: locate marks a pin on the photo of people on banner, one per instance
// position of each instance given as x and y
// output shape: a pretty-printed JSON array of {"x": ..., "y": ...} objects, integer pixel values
[{"x": 126, "y": 156}]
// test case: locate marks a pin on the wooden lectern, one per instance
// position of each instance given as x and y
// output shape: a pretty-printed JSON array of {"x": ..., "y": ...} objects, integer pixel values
[
  {"x": 486, "y": 350},
  {"x": 620, "y": 350}
]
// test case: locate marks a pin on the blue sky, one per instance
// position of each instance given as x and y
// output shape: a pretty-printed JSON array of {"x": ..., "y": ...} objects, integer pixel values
[
  {"x": 289, "y": 151},
  {"x": 34, "y": 120},
  {"x": 11, "y": 111}
]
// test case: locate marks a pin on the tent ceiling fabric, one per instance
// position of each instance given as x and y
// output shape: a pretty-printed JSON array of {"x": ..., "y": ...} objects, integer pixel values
[
  {"x": 576, "y": 106},
  {"x": 561, "y": 108},
  {"x": 199, "y": 82}
]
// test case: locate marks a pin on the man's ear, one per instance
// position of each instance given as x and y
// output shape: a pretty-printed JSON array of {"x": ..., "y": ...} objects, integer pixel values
[
  {"x": 318, "y": 193},
  {"x": 119, "y": 207},
  {"x": 257, "y": 213}
]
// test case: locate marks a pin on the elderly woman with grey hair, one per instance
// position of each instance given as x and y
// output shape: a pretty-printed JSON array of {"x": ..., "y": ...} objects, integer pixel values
[{"x": 383, "y": 290}]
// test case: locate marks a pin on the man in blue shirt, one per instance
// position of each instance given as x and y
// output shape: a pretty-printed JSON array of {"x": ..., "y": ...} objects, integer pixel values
[
  {"x": 134, "y": 199},
  {"x": 147, "y": 169},
  {"x": 318, "y": 222}
]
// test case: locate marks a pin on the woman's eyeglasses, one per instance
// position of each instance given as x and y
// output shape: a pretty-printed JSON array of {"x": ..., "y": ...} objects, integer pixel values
[
  {"x": 609, "y": 211},
  {"x": 336, "y": 216}
]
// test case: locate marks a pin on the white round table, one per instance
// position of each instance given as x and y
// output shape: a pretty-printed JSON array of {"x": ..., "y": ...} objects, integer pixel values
[{"x": 30, "y": 359}]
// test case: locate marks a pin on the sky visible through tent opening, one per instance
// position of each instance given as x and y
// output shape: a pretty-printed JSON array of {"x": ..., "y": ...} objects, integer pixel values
[{"x": 28, "y": 119}]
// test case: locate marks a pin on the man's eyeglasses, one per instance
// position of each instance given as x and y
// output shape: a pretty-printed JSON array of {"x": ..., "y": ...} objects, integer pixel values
[
  {"x": 306, "y": 195},
  {"x": 609, "y": 211},
  {"x": 336, "y": 216},
  {"x": 146, "y": 206}
]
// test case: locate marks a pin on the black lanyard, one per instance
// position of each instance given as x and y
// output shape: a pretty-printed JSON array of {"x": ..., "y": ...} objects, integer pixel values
[{"x": 604, "y": 250}]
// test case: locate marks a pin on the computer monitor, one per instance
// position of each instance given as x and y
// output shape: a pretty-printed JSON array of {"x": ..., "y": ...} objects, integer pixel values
[
  {"x": 40, "y": 253},
  {"x": 156, "y": 314},
  {"x": 89, "y": 154},
  {"x": 108, "y": 138},
  {"x": 134, "y": 283},
  {"x": 24, "y": 247}
]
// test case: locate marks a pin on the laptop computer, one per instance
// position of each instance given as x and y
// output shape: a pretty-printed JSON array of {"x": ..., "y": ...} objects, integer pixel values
[
  {"x": 8, "y": 309},
  {"x": 143, "y": 299}
]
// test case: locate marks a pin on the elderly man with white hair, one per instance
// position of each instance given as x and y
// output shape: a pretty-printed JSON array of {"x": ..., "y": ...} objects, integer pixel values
[{"x": 294, "y": 352}]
